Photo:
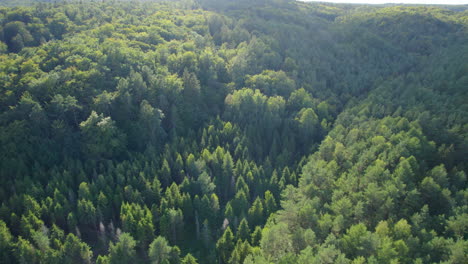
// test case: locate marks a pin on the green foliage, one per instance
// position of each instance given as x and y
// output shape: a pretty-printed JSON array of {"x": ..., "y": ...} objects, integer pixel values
[
  {"x": 138, "y": 222},
  {"x": 159, "y": 251},
  {"x": 123, "y": 251},
  {"x": 271, "y": 83},
  {"x": 171, "y": 225},
  {"x": 75, "y": 251},
  {"x": 189, "y": 259},
  {"x": 243, "y": 230},
  {"x": 276, "y": 242},
  {"x": 5, "y": 243},
  {"x": 101, "y": 138},
  {"x": 319, "y": 133},
  {"x": 225, "y": 245}
]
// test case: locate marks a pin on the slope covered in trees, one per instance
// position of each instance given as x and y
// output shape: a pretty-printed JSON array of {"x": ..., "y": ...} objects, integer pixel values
[{"x": 233, "y": 132}]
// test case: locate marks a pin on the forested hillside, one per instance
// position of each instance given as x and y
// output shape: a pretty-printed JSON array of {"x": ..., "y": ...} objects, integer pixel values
[{"x": 218, "y": 131}]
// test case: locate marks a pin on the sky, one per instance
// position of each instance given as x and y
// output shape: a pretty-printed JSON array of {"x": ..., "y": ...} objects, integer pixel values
[{"x": 433, "y": 2}]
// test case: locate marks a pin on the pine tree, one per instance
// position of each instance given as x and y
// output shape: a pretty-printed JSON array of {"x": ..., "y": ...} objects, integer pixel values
[
  {"x": 256, "y": 236},
  {"x": 225, "y": 245},
  {"x": 240, "y": 252},
  {"x": 243, "y": 231},
  {"x": 270, "y": 203},
  {"x": 159, "y": 251},
  {"x": 123, "y": 251},
  {"x": 256, "y": 212},
  {"x": 75, "y": 251}
]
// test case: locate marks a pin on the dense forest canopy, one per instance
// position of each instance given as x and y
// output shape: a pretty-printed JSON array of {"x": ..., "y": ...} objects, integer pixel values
[{"x": 222, "y": 131}]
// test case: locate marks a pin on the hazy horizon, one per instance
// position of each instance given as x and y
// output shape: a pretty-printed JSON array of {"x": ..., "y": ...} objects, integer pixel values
[{"x": 423, "y": 2}]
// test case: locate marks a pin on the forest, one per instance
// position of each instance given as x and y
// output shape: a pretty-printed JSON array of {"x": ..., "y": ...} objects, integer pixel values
[{"x": 233, "y": 132}]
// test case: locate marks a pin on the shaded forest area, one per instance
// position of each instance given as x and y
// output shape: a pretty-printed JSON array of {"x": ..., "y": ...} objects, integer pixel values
[{"x": 262, "y": 131}]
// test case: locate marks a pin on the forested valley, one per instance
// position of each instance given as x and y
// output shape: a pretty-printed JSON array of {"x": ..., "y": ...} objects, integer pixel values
[{"x": 222, "y": 131}]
